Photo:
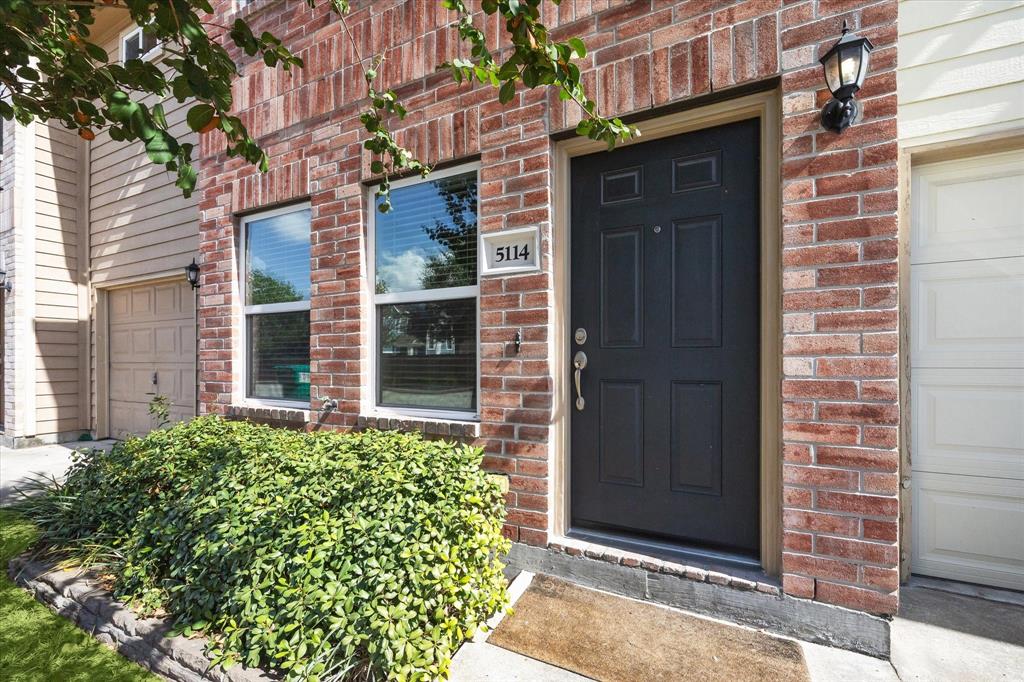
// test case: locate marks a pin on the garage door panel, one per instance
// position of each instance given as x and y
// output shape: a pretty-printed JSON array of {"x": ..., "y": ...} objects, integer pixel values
[
  {"x": 120, "y": 342},
  {"x": 152, "y": 332},
  {"x": 968, "y": 209},
  {"x": 127, "y": 419},
  {"x": 131, "y": 382},
  {"x": 968, "y": 314},
  {"x": 184, "y": 380},
  {"x": 179, "y": 414},
  {"x": 120, "y": 303},
  {"x": 167, "y": 300},
  {"x": 141, "y": 346},
  {"x": 176, "y": 383},
  {"x": 970, "y": 529},
  {"x": 141, "y": 301},
  {"x": 968, "y": 422},
  {"x": 120, "y": 382},
  {"x": 966, "y": 374},
  {"x": 166, "y": 340}
]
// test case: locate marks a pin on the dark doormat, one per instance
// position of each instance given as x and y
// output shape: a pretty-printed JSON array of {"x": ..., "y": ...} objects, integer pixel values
[{"x": 616, "y": 639}]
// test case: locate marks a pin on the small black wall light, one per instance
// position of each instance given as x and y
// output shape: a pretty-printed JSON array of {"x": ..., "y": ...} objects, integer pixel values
[
  {"x": 846, "y": 65},
  {"x": 192, "y": 272}
]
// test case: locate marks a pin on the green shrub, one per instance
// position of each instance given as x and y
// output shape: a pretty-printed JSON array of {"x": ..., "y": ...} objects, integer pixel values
[{"x": 324, "y": 555}]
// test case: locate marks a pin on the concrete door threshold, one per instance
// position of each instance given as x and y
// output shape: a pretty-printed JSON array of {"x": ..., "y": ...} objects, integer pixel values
[
  {"x": 733, "y": 600},
  {"x": 479, "y": 661}
]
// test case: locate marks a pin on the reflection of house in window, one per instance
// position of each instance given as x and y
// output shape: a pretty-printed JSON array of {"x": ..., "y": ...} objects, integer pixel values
[
  {"x": 439, "y": 345},
  {"x": 402, "y": 344},
  {"x": 405, "y": 344}
]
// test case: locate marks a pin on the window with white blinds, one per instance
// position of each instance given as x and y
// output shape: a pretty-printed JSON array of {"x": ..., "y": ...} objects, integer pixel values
[
  {"x": 424, "y": 256},
  {"x": 276, "y": 286}
]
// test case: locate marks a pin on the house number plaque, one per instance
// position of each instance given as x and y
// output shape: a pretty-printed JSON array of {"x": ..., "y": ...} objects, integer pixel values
[{"x": 510, "y": 251}]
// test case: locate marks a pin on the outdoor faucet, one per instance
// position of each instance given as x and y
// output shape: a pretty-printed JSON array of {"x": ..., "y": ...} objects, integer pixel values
[{"x": 328, "y": 405}]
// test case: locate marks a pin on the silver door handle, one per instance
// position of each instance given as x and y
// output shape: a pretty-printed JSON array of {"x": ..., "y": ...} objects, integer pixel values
[{"x": 579, "y": 361}]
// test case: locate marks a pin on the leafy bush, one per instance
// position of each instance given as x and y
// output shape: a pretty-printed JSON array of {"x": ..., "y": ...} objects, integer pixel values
[{"x": 324, "y": 555}]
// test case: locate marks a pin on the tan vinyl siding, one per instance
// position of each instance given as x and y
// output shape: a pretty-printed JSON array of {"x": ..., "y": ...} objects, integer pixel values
[
  {"x": 961, "y": 69},
  {"x": 140, "y": 226},
  {"x": 57, "y": 193}
]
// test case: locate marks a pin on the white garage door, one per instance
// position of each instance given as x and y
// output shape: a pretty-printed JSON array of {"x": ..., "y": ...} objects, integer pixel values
[
  {"x": 152, "y": 352},
  {"x": 967, "y": 369}
]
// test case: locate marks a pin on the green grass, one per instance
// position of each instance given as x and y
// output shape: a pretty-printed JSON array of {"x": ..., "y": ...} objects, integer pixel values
[{"x": 37, "y": 645}]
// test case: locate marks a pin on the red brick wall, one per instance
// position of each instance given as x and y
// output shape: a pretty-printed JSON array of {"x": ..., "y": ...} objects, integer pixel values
[{"x": 839, "y": 232}]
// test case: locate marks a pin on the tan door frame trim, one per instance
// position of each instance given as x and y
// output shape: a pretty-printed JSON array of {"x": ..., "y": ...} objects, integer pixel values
[
  {"x": 766, "y": 107},
  {"x": 909, "y": 157}
]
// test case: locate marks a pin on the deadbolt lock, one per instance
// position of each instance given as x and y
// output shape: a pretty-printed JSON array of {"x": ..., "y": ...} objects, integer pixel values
[{"x": 580, "y": 336}]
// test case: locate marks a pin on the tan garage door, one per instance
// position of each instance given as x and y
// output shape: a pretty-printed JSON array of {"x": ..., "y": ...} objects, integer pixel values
[
  {"x": 152, "y": 351},
  {"x": 967, "y": 369}
]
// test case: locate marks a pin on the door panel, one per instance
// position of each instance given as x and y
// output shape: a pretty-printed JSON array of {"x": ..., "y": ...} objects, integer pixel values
[
  {"x": 697, "y": 283},
  {"x": 697, "y": 437},
  {"x": 622, "y": 288},
  {"x": 665, "y": 279},
  {"x": 622, "y": 436},
  {"x": 967, "y": 370}
]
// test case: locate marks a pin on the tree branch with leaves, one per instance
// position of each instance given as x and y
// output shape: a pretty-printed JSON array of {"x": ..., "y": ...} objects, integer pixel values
[{"x": 52, "y": 70}]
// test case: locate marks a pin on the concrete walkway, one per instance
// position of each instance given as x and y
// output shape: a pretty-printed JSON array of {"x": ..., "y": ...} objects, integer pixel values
[{"x": 18, "y": 466}]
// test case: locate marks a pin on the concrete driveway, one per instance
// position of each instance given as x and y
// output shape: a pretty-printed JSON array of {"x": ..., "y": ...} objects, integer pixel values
[
  {"x": 18, "y": 466},
  {"x": 958, "y": 632}
]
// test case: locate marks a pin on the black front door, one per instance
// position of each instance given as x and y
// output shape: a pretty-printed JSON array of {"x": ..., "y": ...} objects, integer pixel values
[{"x": 666, "y": 285}]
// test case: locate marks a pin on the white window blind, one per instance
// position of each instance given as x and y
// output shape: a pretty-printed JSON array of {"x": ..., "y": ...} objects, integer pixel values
[
  {"x": 276, "y": 287},
  {"x": 425, "y": 295}
]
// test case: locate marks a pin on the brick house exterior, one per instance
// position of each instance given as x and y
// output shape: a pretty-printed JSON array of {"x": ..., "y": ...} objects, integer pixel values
[{"x": 840, "y": 412}]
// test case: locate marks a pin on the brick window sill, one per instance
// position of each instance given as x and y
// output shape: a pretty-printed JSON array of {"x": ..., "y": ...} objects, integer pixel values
[
  {"x": 285, "y": 415},
  {"x": 430, "y": 427}
]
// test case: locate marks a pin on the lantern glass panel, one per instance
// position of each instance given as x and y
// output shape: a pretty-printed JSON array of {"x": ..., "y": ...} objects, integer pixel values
[
  {"x": 849, "y": 65},
  {"x": 832, "y": 78},
  {"x": 865, "y": 55}
]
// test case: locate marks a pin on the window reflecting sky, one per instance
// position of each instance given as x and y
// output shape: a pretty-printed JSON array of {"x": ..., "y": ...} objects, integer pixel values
[
  {"x": 428, "y": 239},
  {"x": 277, "y": 258}
]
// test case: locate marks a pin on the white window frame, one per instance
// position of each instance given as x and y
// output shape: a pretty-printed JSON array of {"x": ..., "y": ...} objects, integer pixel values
[
  {"x": 242, "y": 376},
  {"x": 131, "y": 32},
  {"x": 370, "y": 405}
]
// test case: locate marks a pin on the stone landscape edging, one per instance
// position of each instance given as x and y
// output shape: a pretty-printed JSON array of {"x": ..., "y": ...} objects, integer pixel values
[{"x": 78, "y": 597}]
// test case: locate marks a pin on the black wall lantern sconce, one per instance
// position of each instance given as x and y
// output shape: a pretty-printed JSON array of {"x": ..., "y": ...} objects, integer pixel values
[
  {"x": 192, "y": 272},
  {"x": 846, "y": 65}
]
